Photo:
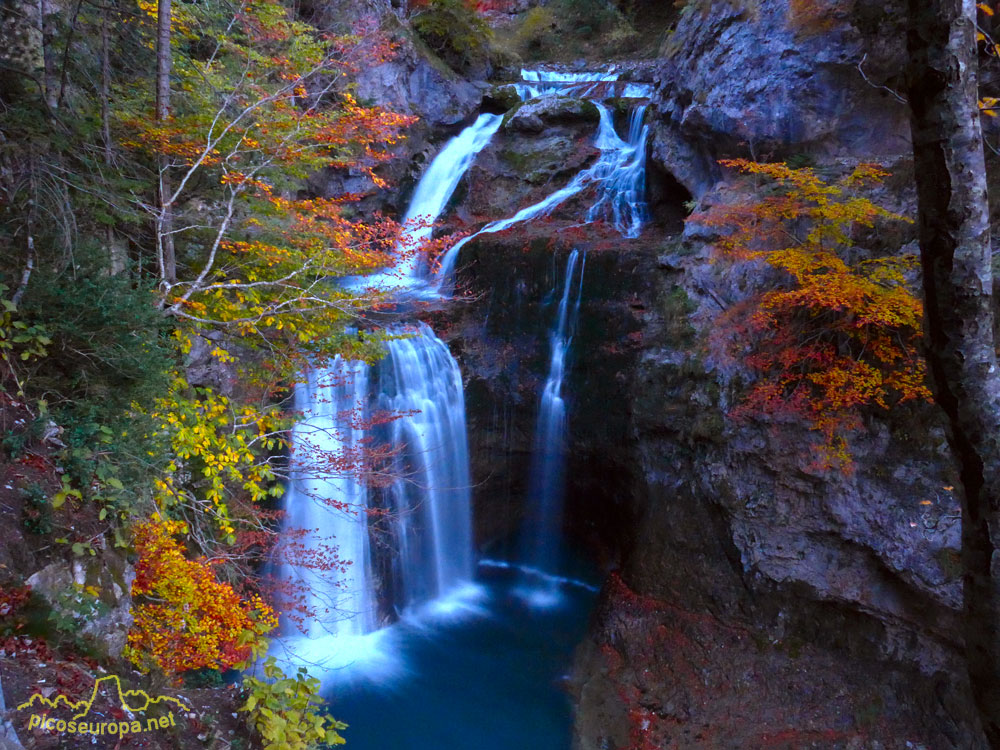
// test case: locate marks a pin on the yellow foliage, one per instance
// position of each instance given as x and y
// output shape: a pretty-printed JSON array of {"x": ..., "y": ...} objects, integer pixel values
[{"x": 834, "y": 336}]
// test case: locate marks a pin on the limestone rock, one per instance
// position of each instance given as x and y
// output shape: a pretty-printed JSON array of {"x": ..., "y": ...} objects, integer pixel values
[
  {"x": 538, "y": 115},
  {"x": 765, "y": 82},
  {"x": 103, "y": 620}
]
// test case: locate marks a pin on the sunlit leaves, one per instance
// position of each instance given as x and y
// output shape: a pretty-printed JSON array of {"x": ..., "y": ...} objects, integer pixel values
[
  {"x": 184, "y": 617},
  {"x": 217, "y": 449}
]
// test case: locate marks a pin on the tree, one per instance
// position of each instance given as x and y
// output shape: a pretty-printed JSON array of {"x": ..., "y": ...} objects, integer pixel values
[
  {"x": 164, "y": 61},
  {"x": 955, "y": 251},
  {"x": 184, "y": 618},
  {"x": 260, "y": 102},
  {"x": 834, "y": 336}
]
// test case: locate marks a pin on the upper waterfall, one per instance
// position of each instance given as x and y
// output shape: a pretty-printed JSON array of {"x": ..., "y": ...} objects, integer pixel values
[
  {"x": 435, "y": 188},
  {"x": 581, "y": 85},
  {"x": 618, "y": 175}
]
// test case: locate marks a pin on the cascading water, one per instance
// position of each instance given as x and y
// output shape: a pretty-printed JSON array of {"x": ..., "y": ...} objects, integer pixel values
[
  {"x": 542, "y": 531},
  {"x": 619, "y": 174},
  {"x": 585, "y": 85},
  {"x": 429, "y": 504},
  {"x": 331, "y": 507},
  {"x": 535, "y": 83},
  {"x": 419, "y": 380},
  {"x": 327, "y": 503},
  {"x": 430, "y": 197},
  {"x": 622, "y": 180},
  {"x": 431, "y": 500}
]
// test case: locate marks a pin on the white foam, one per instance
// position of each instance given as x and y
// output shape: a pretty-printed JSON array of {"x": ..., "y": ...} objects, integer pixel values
[{"x": 339, "y": 659}]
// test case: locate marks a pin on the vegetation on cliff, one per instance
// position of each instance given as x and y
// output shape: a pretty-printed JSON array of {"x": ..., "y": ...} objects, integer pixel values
[{"x": 165, "y": 282}]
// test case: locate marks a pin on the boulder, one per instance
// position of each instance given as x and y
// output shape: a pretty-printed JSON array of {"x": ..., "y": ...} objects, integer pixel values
[
  {"x": 501, "y": 99},
  {"x": 538, "y": 115},
  {"x": 92, "y": 595},
  {"x": 775, "y": 81}
]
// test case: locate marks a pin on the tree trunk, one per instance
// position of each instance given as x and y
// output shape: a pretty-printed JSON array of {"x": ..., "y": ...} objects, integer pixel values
[
  {"x": 958, "y": 287},
  {"x": 47, "y": 17},
  {"x": 117, "y": 259},
  {"x": 164, "y": 226}
]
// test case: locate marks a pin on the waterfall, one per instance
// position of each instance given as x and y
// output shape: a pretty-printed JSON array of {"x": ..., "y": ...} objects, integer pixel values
[
  {"x": 431, "y": 499},
  {"x": 622, "y": 180},
  {"x": 619, "y": 175},
  {"x": 541, "y": 534},
  {"x": 585, "y": 85},
  {"x": 420, "y": 381},
  {"x": 535, "y": 83},
  {"x": 330, "y": 504},
  {"x": 429, "y": 200}
]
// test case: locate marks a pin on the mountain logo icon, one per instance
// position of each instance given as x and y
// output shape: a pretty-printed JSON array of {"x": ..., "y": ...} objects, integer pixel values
[{"x": 132, "y": 701}]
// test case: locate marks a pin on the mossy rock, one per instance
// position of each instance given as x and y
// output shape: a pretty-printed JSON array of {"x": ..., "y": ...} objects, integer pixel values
[
  {"x": 501, "y": 99},
  {"x": 537, "y": 160},
  {"x": 537, "y": 115},
  {"x": 89, "y": 600}
]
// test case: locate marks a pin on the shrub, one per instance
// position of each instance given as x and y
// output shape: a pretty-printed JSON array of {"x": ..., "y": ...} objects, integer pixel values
[
  {"x": 184, "y": 618},
  {"x": 284, "y": 710},
  {"x": 834, "y": 335}
]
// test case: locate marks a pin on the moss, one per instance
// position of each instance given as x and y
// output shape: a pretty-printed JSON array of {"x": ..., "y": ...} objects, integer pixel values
[
  {"x": 510, "y": 114},
  {"x": 676, "y": 306},
  {"x": 503, "y": 97},
  {"x": 432, "y": 57},
  {"x": 521, "y": 161},
  {"x": 455, "y": 31},
  {"x": 570, "y": 29}
]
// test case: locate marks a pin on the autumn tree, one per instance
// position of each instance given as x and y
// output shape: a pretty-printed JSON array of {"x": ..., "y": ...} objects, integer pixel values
[
  {"x": 184, "y": 617},
  {"x": 956, "y": 257},
  {"x": 260, "y": 102},
  {"x": 838, "y": 332},
  {"x": 189, "y": 126}
]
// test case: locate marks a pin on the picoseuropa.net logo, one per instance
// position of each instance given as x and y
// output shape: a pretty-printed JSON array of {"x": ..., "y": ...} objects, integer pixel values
[{"x": 85, "y": 721}]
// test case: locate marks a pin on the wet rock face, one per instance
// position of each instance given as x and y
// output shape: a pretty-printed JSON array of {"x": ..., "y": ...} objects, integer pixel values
[
  {"x": 501, "y": 339},
  {"x": 746, "y": 574},
  {"x": 663, "y": 676},
  {"x": 412, "y": 81},
  {"x": 519, "y": 168},
  {"x": 540, "y": 114},
  {"x": 769, "y": 80}
]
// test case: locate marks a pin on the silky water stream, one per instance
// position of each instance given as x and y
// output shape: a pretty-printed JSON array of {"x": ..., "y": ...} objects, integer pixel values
[{"x": 477, "y": 653}]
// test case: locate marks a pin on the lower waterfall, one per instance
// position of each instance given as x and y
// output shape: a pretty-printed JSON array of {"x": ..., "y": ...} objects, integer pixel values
[
  {"x": 329, "y": 506},
  {"x": 543, "y": 526},
  {"x": 431, "y": 502}
]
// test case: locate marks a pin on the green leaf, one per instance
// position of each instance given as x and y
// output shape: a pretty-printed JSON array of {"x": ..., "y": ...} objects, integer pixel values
[{"x": 78, "y": 549}]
